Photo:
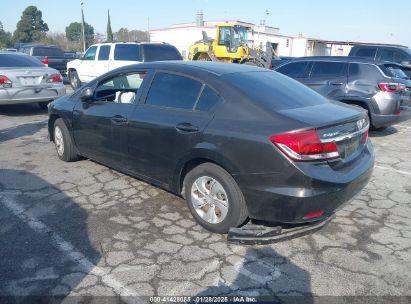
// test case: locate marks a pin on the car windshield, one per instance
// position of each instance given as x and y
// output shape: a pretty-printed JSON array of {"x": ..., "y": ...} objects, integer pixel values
[
  {"x": 19, "y": 61},
  {"x": 394, "y": 71},
  {"x": 262, "y": 86}
]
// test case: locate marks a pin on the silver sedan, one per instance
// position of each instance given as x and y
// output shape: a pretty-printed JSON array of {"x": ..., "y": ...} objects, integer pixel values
[{"x": 24, "y": 79}]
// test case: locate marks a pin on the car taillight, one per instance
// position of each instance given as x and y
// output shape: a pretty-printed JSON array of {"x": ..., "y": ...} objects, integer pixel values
[
  {"x": 55, "y": 78},
  {"x": 305, "y": 146},
  {"x": 391, "y": 87},
  {"x": 364, "y": 138},
  {"x": 45, "y": 61},
  {"x": 5, "y": 81}
]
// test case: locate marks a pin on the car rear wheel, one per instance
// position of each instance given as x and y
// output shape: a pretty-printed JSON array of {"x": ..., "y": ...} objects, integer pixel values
[
  {"x": 74, "y": 80},
  {"x": 62, "y": 140},
  {"x": 214, "y": 198}
]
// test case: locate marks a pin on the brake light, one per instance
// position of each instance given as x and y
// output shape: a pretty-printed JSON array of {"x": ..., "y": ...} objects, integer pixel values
[
  {"x": 391, "y": 87},
  {"x": 305, "y": 146},
  {"x": 5, "y": 81},
  {"x": 45, "y": 61},
  {"x": 55, "y": 78},
  {"x": 364, "y": 138},
  {"x": 312, "y": 215}
]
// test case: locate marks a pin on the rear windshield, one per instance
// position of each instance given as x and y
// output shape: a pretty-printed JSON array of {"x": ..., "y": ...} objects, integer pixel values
[
  {"x": 48, "y": 51},
  {"x": 393, "y": 71},
  {"x": 275, "y": 90},
  {"x": 18, "y": 61},
  {"x": 160, "y": 52},
  {"x": 127, "y": 52}
]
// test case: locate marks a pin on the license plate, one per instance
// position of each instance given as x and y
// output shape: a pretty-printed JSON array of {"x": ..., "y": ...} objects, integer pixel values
[
  {"x": 29, "y": 81},
  {"x": 351, "y": 146}
]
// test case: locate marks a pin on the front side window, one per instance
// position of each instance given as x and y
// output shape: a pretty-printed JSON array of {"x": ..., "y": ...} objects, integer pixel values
[
  {"x": 104, "y": 52},
  {"x": 120, "y": 89},
  {"x": 91, "y": 53},
  {"x": 173, "y": 91},
  {"x": 322, "y": 69},
  {"x": 393, "y": 56},
  {"x": 294, "y": 69}
]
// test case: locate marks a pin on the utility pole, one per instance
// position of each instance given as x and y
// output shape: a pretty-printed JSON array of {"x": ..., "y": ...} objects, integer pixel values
[{"x": 82, "y": 28}]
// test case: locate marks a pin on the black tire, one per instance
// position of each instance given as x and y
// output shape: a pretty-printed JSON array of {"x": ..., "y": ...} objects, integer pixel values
[
  {"x": 68, "y": 153},
  {"x": 237, "y": 209},
  {"x": 75, "y": 82}
]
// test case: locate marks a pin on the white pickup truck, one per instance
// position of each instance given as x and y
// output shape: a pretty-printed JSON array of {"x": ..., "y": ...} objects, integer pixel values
[{"x": 104, "y": 57}]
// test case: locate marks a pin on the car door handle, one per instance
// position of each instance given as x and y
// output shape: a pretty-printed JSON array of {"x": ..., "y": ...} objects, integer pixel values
[
  {"x": 186, "y": 127},
  {"x": 336, "y": 83},
  {"x": 119, "y": 120}
]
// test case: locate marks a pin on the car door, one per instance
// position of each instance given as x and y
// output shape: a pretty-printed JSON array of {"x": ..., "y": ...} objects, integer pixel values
[
  {"x": 85, "y": 69},
  {"x": 329, "y": 78},
  {"x": 100, "y": 125},
  {"x": 167, "y": 124},
  {"x": 102, "y": 63}
]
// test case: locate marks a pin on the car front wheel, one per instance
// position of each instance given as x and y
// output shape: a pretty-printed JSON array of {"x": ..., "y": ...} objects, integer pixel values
[
  {"x": 214, "y": 198},
  {"x": 64, "y": 145}
]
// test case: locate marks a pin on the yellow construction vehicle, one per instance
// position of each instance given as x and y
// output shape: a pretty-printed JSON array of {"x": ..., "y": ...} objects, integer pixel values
[{"x": 230, "y": 45}]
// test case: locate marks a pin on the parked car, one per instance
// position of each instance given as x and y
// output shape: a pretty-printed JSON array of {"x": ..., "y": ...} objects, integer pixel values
[
  {"x": 50, "y": 55},
  {"x": 397, "y": 54},
  {"x": 236, "y": 141},
  {"x": 24, "y": 79},
  {"x": 379, "y": 87},
  {"x": 104, "y": 57}
]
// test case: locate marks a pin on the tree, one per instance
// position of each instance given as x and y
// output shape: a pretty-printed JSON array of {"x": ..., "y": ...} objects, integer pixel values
[
  {"x": 31, "y": 26},
  {"x": 109, "y": 30},
  {"x": 73, "y": 33},
  {"x": 5, "y": 37},
  {"x": 125, "y": 35}
]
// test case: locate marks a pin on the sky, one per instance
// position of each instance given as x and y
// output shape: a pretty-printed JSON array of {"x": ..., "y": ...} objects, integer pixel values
[{"x": 355, "y": 20}]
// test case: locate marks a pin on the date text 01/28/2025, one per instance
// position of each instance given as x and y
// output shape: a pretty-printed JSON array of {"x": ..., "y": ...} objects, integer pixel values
[{"x": 203, "y": 299}]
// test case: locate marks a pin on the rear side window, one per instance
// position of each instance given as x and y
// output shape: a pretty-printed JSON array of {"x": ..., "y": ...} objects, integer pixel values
[
  {"x": 18, "y": 61},
  {"x": 173, "y": 91},
  {"x": 127, "y": 52},
  {"x": 208, "y": 99},
  {"x": 295, "y": 69},
  {"x": 90, "y": 54},
  {"x": 47, "y": 51},
  {"x": 321, "y": 69},
  {"x": 366, "y": 72},
  {"x": 366, "y": 52},
  {"x": 104, "y": 52},
  {"x": 160, "y": 52}
]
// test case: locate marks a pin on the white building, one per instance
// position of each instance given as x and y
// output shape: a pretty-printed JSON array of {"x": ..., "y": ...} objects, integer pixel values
[{"x": 183, "y": 35}]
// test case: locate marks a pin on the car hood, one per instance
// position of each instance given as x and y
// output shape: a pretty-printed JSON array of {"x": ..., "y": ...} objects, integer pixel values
[{"x": 325, "y": 114}]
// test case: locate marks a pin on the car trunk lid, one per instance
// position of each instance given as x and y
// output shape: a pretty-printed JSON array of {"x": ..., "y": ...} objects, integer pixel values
[
  {"x": 335, "y": 123},
  {"x": 27, "y": 77}
]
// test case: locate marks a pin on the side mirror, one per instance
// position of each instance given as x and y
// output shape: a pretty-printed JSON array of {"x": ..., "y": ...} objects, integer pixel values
[{"x": 87, "y": 94}]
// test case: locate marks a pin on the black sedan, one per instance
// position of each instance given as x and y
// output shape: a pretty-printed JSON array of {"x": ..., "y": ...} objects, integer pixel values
[{"x": 236, "y": 141}]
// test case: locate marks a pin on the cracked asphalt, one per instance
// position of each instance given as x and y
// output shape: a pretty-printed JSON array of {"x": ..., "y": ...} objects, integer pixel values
[{"x": 80, "y": 229}]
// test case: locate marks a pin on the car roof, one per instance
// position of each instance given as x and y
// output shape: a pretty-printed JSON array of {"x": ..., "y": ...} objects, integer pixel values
[
  {"x": 216, "y": 68},
  {"x": 380, "y": 46},
  {"x": 348, "y": 59},
  {"x": 12, "y": 53}
]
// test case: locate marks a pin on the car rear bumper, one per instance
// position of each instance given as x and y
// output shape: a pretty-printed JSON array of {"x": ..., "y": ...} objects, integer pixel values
[
  {"x": 30, "y": 94},
  {"x": 323, "y": 190}
]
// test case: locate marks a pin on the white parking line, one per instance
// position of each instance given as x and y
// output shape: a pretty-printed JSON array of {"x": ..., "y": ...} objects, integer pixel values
[
  {"x": 66, "y": 248},
  {"x": 393, "y": 170}
]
